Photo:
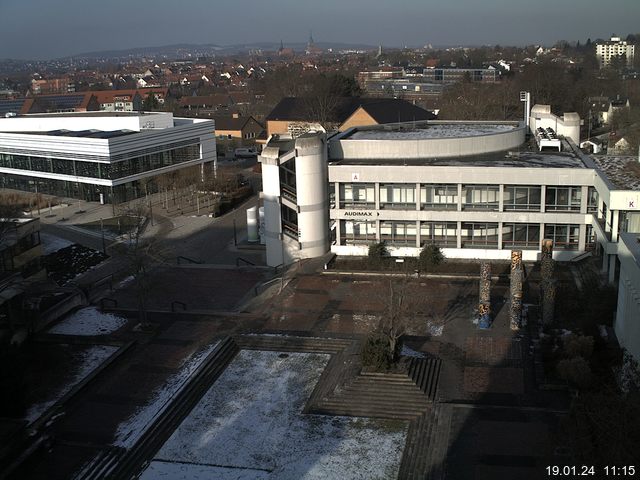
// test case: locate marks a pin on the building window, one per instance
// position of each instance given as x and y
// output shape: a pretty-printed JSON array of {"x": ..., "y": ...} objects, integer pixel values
[
  {"x": 41, "y": 164},
  {"x": 563, "y": 199},
  {"x": 480, "y": 197},
  {"x": 357, "y": 195},
  {"x": 439, "y": 197},
  {"x": 483, "y": 235},
  {"x": 565, "y": 237},
  {"x": 590, "y": 241},
  {"x": 398, "y": 233},
  {"x": 520, "y": 235},
  {"x": 289, "y": 222},
  {"x": 64, "y": 167},
  {"x": 288, "y": 179},
  {"x": 398, "y": 197},
  {"x": 592, "y": 200},
  {"x": 355, "y": 232},
  {"x": 331, "y": 190},
  {"x": 629, "y": 222},
  {"x": 521, "y": 198},
  {"x": 443, "y": 234}
]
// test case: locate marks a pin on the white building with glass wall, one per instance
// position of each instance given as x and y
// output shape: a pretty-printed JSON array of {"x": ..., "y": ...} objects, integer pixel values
[{"x": 100, "y": 155}]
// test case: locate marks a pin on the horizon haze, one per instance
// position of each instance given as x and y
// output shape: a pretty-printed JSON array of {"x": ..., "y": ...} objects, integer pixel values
[{"x": 47, "y": 29}]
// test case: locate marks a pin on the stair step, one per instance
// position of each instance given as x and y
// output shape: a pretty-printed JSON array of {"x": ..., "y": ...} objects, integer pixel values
[{"x": 365, "y": 412}]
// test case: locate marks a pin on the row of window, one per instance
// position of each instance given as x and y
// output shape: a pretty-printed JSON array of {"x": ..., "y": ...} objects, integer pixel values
[
  {"x": 109, "y": 171},
  {"x": 474, "y": 197},
  {"x": 472, "y": 234},
  {"x": 86, "y": 191}
]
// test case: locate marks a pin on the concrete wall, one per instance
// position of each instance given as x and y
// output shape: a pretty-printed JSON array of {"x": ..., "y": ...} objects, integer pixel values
[
  {"x": 627, "y": 322},
  {"x": 312, "y": 195},
  {"x": 277, "y": 127},
  {"x": 78, "y": 122},
  {"x": 359, "y": 118},
  {"x": 455, "y": 253},
  {"x": 426, "y": 148},
  {"x": 461, "y": 174}
]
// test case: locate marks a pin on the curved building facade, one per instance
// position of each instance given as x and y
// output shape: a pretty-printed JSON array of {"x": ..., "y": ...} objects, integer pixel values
[{"x": 294, "y": 175}]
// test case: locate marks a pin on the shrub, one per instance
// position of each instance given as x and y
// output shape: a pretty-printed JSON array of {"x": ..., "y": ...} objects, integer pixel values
[
  {"x": 377, "y": 252},
  {"x": 375, "y": 353},
  {"x": 578, "y": 346},
  {"x": 430, "y": 256},
  {"x": 575, "y": 370}
]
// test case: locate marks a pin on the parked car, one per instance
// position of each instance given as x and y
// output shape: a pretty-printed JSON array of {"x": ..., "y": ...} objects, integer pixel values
[{"x": 244, "y": 152}]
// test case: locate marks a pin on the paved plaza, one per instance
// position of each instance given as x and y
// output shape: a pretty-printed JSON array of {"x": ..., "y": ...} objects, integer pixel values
[{"x": 484, "y": 416}]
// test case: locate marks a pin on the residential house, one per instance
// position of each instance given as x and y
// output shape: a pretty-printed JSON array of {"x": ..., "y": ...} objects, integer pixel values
[
  {"x": 294, "y": 115},
  {"x": 237, "y": 127},
  {"x": 52, "y": 86},
  {"x": 70, "y": 102},
  {"x": 599, "y": 110},
  {"x": 128, "y": 100}
]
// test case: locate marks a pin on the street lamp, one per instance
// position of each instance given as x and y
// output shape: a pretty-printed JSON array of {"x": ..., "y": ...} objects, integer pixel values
[{"x": 104, "y": 247}]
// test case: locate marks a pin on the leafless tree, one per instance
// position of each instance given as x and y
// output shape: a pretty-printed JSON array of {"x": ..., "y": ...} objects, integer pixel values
[
  {"x": 404, "y": 304},
  {"x": 143, "y": 253}
]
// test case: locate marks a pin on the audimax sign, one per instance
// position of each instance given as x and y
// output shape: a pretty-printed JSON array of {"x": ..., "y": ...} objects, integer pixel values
[{"x": 360, "y": 213}]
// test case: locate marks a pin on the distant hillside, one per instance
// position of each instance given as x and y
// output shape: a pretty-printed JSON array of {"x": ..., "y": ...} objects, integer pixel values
[{"x": 186, "y": 49}]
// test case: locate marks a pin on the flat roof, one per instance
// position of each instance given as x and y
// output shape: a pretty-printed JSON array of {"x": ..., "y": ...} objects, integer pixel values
[
  {"x": 430, "y": 131},
  {"x": 84, "y": 133},
  {"x": 522, "y": 159},
  {"x": 100, "y": 113},
  {"x": 621, "y": 170}
]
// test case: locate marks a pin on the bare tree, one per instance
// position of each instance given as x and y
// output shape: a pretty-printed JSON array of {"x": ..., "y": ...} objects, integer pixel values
[
  {"x": 143, "y": 253},
  {"x": 403, "y": 305}
]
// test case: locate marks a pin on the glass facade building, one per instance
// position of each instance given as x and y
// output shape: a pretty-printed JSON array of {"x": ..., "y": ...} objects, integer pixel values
[{"x": 94, "y": 165}]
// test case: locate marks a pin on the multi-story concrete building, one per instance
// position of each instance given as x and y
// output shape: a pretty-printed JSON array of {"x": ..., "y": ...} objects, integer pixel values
[
  {"x": 476, "y": 189},
  {"x": 98, "y": 155},
  {"x": 615, "y": 48}
]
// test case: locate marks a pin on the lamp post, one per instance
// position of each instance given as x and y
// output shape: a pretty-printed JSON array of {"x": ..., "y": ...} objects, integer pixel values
[{"x": 104, "y": 247}]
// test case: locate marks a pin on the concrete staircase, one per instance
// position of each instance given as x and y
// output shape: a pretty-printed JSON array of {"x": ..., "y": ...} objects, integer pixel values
[
  {"x": 281, "y": 343},
  {"x": 102, "y": 465},
  {"x": 404, "y": 396},
  {"x": 114, "y": 464},
  {"x": 427, "y": 444},
  {"x": 425, "y": 373}
]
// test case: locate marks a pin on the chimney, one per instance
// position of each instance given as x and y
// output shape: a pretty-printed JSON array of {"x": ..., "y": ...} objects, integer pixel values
[{"x": 235, "y": 115}]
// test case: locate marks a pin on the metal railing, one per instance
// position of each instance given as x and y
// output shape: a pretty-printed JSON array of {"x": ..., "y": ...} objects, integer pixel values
[
  {"x": 187, "y": 260},
  {"x": 177, "y": 302},
  {"x": 244, "y": 261},
  {"x": 112, "y": 301}
]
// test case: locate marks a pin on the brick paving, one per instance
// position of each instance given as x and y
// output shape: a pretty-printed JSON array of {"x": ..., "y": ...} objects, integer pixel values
[{"x": 478, "y": 367}]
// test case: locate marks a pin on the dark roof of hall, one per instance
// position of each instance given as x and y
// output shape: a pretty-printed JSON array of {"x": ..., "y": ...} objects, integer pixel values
[{"x": 382, "y": 110}]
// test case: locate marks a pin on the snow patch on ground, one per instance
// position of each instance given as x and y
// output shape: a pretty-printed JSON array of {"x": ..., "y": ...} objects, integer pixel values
[
  {"x": 125, "y": 281},
  {"x": 87, "y": 361},
  {"x": 51, "y": 243},
  {"x": 130, "y": 431},
  {"x": 251, "y": 420},
  {"x": 435, "y": 329},
  {"x": 409, "y": 352},
  {"x": 88, "y": 321},
  {"x": 187, "y": 471}
]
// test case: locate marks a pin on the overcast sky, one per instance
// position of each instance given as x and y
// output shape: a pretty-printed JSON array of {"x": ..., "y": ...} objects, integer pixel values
[{"x": 41, "y": 29}]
